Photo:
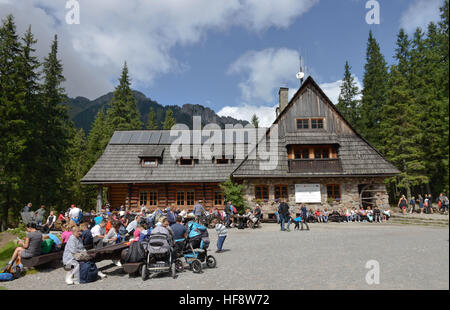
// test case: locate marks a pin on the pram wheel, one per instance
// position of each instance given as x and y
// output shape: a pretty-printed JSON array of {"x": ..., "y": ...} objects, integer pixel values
[
  {"x": 144, "y": 272},
  {"x": 211, "y": 261},
  {"x": 179, "y": 265},
  {"x": 173, "y": 271},
  {"x": 196, "y": 266}
]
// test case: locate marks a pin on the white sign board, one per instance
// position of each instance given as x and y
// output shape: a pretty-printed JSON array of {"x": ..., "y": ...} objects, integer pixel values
[{"x": 307, "y": 193}]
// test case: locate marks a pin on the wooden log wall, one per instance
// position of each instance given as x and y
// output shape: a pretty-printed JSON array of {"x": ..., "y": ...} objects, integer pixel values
[{"x": 167, "y": 194}]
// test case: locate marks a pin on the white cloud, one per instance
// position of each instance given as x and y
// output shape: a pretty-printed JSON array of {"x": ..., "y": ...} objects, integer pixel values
[
  {"x": 419, "y": 14},
  {"x": 141, "y": 32},
  {"x": 265, "y": 71},
  {"x": 265, "y": 114},
  {"x": 333, "y": 89}
]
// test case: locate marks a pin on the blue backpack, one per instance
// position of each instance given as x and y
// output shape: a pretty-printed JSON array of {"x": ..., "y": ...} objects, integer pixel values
[
  {"x": 88, "y": 272},
  {"x": 6, "y": 276},
  {"x": 195, "y": 229}
]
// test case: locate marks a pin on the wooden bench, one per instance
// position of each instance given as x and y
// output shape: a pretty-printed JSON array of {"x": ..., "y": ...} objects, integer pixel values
[
  {"x": 42, "y": 259},
  {"x": 110, "y": 252}
]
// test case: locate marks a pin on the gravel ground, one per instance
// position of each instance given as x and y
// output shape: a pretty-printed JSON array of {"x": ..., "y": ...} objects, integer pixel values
[{"x": 330, "y": 256}]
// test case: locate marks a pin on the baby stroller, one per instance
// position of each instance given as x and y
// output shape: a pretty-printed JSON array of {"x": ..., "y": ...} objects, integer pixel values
[
  {"x": 160, "y": 254},
  {"x": 196, "y": 247}
]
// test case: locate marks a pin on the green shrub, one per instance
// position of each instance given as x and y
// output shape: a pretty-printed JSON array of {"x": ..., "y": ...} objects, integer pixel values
[{"x": 234, "y": 192}]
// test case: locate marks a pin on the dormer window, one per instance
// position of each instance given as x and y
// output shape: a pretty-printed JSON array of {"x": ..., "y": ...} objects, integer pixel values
[
  {"x": 149, "y": 162},
  {"x": 186, "y": 161},
  {"x": 222, "y": 161},
  {"x": 151, "y": 156}
]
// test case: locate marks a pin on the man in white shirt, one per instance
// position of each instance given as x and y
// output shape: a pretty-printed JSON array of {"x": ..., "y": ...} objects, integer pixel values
[
  {"x": 133, "y": 224},
  {"x": 98, "y": 233},
  {"x": 74, "y": 213}
]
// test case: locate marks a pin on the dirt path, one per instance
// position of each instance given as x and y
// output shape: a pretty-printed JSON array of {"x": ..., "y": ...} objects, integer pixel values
[{"x": 5, "y": 238}]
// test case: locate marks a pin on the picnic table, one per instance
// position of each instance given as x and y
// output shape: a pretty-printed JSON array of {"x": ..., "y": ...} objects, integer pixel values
[{"x": 109, "y": 252}]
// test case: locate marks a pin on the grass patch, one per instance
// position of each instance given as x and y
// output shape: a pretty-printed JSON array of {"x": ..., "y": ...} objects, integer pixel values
[
  {"x": 2, "y": 288},
  {"x": 6, "y": 252}
]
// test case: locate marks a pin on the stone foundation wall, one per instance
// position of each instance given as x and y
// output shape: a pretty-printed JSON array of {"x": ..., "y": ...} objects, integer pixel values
[{"x": 348, "y": 189}]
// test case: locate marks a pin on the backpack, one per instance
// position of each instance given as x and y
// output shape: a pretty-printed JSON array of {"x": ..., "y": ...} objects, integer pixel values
[
  {"x": 6, "y": 276},
  {"x": 47, "y": 245},
  {"x": 12, "y": 272},
  {"x": 234, "y": 210},
  {"x": 135, "y": 254},
  {"x": 88, "y": 272}
]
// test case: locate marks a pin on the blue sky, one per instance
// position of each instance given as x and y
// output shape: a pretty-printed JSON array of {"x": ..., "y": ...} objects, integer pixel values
[{"x": 231, "y": 56}]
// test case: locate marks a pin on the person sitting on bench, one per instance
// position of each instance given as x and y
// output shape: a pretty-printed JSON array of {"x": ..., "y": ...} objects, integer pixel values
[
  {"x": 98, "y": 233},
  {"x": 30, "y": 247},
  {"x": 50, "y": 224},
  {"x": 74, "y": 245},
  {"x": 86, "y": 235}
]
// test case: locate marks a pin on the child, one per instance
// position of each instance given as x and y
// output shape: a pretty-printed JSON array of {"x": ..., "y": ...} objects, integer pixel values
[
  {"x": 86, "y": 235},
  {"x": 137, "y": 233},
  {"x": 297, "y": 222},
  {"x": 67, "y": 232},
  {"x": 222, "y": 233}
]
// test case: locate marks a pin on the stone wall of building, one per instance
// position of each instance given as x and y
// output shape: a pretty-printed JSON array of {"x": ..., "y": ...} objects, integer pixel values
[{"x": 349, "y": 191}]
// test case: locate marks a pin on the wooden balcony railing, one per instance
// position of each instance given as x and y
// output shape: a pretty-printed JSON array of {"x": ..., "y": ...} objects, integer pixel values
[{"x": 315, "y": 165}]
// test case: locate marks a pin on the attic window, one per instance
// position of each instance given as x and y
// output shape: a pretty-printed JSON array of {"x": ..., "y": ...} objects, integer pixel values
[
  {"x": 317, "y": 123},
  {"x": 149, "y": 162},
  {"x": 302, "y": 123}
]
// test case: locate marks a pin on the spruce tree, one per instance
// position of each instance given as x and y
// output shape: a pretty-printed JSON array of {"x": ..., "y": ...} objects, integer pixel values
[
  {"x": 123, "y": 113},
  {"x": 400, "y": 134},
  {"x": 76, "y": 166},
  {"x": 12, "y": 126},
  {"x": 54, "y": 129},
  {"x": 169, "y": 121},
  {"x": 151, "y": 123},
  {"x": 373, "y": 93},
  {"x": 255, "y": 121},
  {"x": 348, "y": 104},
  {"x": 33, "y": 116},
  {"x": 98, "y": 137}
]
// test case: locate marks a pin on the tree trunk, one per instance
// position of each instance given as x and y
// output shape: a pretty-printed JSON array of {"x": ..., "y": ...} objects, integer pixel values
[{"x": 4, "y": 224}]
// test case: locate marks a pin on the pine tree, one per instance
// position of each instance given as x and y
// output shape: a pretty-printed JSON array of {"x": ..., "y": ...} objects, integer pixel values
[
  {"x": 151, "y": 123},
  {"x": 76, "y": 166},
  {"x": 348, "y": 104},
  {"x": 98, "y": 137},
  {"x": 403, "y": 52},
  {"x": 33, "y": 115},
  {"x": 123, "y": 113},
  {"x": 373, "y": 93},
  {"x": 169, "y": 121},
  {"x": 255, "y": 121},
  {"x": 400, "y": 133},
  {"x": 12, "y": 127},
  {"x": 54, "y": 131}
]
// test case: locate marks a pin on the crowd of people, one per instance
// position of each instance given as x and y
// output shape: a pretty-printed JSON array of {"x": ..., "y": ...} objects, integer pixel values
[
  {"x": 423, "y": 204},
  {"x": 285, "y": 216},
  {"x": 99, "y": 229}
]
